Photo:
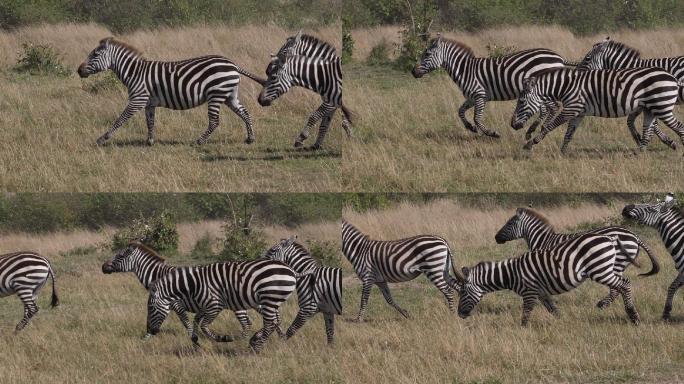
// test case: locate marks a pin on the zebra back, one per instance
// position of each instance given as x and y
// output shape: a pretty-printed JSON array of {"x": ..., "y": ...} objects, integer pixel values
[{"x": 303, "y": 45}]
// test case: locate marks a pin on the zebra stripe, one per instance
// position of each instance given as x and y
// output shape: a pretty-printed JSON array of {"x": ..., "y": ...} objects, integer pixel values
[
  {"x": 261, "y": 284},
  {"x": 484, "y": 79},
  {"x": 181, "y": 85},
  {"x": 539, "y": 274},
  {"x": 379, "y": 262},
  {"x": 669, "y": 221},
  {"x": 609, "y": 54},
  {"x": 303, "y": 45},
  {"x": 148, "y": 266},
  {"x": 24, "y": 274},
  {"x": 539, "y": 234},
  {"x": 321, "y": 291},
  {"x": 603, "y": 93}
]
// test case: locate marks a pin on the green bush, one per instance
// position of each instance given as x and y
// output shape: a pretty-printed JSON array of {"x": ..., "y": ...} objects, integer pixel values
[
  {"x": 158, "y": 232},
  {"x": 40, "y": 59},
  {"x": 416, "y": 33},
  {"x": 103, "y": 83},
  {"x": 347, "y": 42},
  {"x": 327, "y": 252},
  {"x": 379, "y": 54},
  {"x": 241, "y": 243},
  {"x": 204, "y": 248},
  {"x": 495, "y": 51}
]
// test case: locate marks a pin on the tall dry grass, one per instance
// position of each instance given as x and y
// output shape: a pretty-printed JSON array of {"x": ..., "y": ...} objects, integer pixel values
[
  {"x": 94, "y": 336},
  {"x": 52, "y": 122},
  {"x": 409, "y": 136}
]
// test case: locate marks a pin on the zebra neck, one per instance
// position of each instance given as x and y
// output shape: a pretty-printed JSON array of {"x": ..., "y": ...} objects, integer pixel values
[
  {"x": 455, "y": 64},
  {"x": 149, "y": 271},
  {"x": 659, "y": 62},
  {"x": 670, "y": 228},
  {"x": 357, "y": 253},
  {"x": 497, "y": 275},
  {"x": 540, "y": 237},
  {"x": 308, "y": 74},
  {"x": 125, "y": 67},
  {"x": 301, "y": 263}
]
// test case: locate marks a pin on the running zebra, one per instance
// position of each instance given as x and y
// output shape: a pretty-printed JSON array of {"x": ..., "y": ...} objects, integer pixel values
[
  {"x": 148, "y": 266},
  {"x": 24, "y": 274},
  {"x": 303, "y": 45},
  {"x": 262, "y": 284},
  {"x": 484, "y": 79},
  {"x": 539, "y": 234},
  {"x": 176, "y": 85},
  {"x": 379, "y": 262},
  {"x": 609, "y": 54},
  {"x": 323, "y": 76},
  {"x": 320, "y": 291},
  {"x": 603, "y": 93},
  {"x": 539, "y": 274},
  {"x": 669, "y": 220}
]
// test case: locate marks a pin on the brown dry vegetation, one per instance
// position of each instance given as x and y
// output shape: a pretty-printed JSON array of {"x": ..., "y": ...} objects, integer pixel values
[
  {"x": 95, "y": 334},
  {"x": 409, "y": 136},
  {"x": 52, "y": 122}
]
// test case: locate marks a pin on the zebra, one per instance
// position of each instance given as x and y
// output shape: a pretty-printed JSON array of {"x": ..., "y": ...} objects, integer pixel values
[
  {"x": 262, "y": 284},
  {"x": 603, "y": 93},
  {"x": 539, "y": 274},
  {"x": 669, "y": 220},
  {"x": 323, "y": 76},
  {"x": 24, "y": 274},
  {"x": 540, "y": 234},
  {"x": 319, "y": 292},
  {"x": 486, "y": 79},
  {"x": 610, "y": 54},
  {"x": 148, "y": 266},
  {"x": 176, "y": 85},
  {"x": 303, "y": 45},
  {"x": 379, "y": 262}
]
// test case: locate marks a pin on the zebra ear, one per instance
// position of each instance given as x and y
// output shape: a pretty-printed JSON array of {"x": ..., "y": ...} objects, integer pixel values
[
  {"x": 518, "y": 211},
  {"x": 607, "y": 39},
  {"x": 668, "y": 204},
  {"x": 298, "y": 36},
  {"x": 291, "y": 240}
]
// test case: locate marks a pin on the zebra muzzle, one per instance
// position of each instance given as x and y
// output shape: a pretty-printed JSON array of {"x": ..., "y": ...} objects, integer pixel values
[
  {"x": 416, "y": 72},
  {"x": 107, "y": 268},
  {"x": 264, "y": 102},
  {"x": 82, "y": 71}
]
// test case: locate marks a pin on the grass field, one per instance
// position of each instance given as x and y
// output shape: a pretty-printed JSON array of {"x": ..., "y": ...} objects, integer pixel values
[
  {"x": 94, "y": 336},
  {"x": 409, "y": 136},
  {"x": 51, "y": 123}
]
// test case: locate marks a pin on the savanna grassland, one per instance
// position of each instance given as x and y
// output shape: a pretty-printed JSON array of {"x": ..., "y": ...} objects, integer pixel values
[
  {"x": 409, "y": 136},
  {"x": 94, "y": 336},
  {"x": 50, "y": 122}
]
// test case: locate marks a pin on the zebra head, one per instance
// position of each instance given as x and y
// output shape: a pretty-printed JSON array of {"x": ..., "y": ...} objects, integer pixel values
[
  {"x": 123, "y": 261},
  {"x": 291, "y": 47},
  {"x": 157, "y": 309},
  {"x": 529, "y": 103},
  {"x": 471, "y": 294},
  {"x": 432, "y": 58},
  {"x": 100, "y": 59},
  {"x": 512, "y": 230},
  {"x": 596, "y": 58},
  {"x": 649, "y": 213},
  {"x": 279, "y": 80},
  {"x": 279, "y": 251}
]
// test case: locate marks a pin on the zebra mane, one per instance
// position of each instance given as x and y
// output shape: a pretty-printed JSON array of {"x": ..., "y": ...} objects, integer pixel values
[
  {"x": 625, "y": 48},
  {"x": 468, "y": 51},
  {"x": 147, "y": 250},
  {"x": 356, "y": 229},
  {"x": 317, "y": 41},
  {"x": 118, "y": 43},
  {"x": 532, "y": 213}
]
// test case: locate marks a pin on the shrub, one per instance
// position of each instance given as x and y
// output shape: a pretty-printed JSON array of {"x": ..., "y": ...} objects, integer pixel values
[
  {"x": 158, "y": 232},
  {"x": 40, "y": 59},
  {"x": 325, "y": 251},
  {"x": 106, "y": 82},
  {"x": 241, "y": 243},
  {"x": 495, "y": 51},
  {"x": 204, "y": 248},
  {"x": 379, "y": 54},
  {"x": 415, "y": 33}
]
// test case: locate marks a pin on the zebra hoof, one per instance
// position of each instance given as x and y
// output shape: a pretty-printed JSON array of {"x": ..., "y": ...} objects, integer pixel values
[
  {"x": 494, "y": 135},
  {"x": 315, "y": 147},
  {"x": 102, "y": 140},
  {"x": 528, "y": 146},
  {"x": 150, "y": 142},
  {"x": 225, "y": 339},
  {"x": 201, "y": 141},
  {"x": 249, "y": 140},
  {"x": 298, "y": 144}
]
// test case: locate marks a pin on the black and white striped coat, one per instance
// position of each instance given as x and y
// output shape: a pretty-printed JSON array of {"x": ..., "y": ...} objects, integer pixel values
[
  {"x": 602, "y": 93},
  {"x": 539, "y": 234},
  {"x": 321, "y": 73},
  {"x": 539, "y": 274},
  {"x": 24, "y": 274},
  {"x": 484, "y": 79},
  {"x": 669, "y": 221},
  {"x": 319, "y": 291},
  {"x": 186, "y": 84},
  {"x": 262, "y": 284},
  {"x": 609, "y": 54},
  {"x": 378, "y": 262},
  {"x": 148, "y": 267}
]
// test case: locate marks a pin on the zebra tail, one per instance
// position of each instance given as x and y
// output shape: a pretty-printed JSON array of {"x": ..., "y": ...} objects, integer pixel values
[
  {"x": 568, "y": 63},
  {"x": 55, "y": 300},
  {"x": 655, "y": 266},
  {"x": 347, "y": 113},
  {"x": 451, "y": 281},
  {"x": 308, "y": 272},
  {"x": 254, "y": 77}
]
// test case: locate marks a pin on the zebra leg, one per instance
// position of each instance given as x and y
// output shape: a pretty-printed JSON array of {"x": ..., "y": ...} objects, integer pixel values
[
  {"x": 572, "y": 126},
  {"x": 213, "y": 112},
  {"x": 149, "y": 118},
  {"x": 245, "y": 322},
  {"x": 479, "y": 113},
  {"x": 608, "y": 300},
  {"x": 547, "y": 112},
  {"x": 550, "y": 306},
  {"x": 467, "y": 104},
  {"x": 676, "y": 284},
  {"x": 529, "y": 301},
  {"x": 269, "y": 314},
  {"x": 207, "y": 317},
  {"x": 323, "y": 110},
  {"x": 549, "y": 126},
  {"x": 279, "y": 326},
  {"x": 624, "y": 286},
  {"x": 30, "y": 308},
  {"x": 305, "y": 313},
  {"x": 647, "y": 131},
  {"x": 132, "y": 107},
  {"x": 235, "y": 106},
  {"x": 365, "y": 294},
  {"x": 183, "y": 317},
  {"x": 672, "y": 123},
  {"x": 384, "y": 288},
  {"x": 665, "y": 139},
  {"x": 329, "y": 327},
  {"x": 632, "y": 129},
  {"x": 346, "y": 125},
  {"x": 322, "y": 131},
  {"x": 438, "y": 280}
]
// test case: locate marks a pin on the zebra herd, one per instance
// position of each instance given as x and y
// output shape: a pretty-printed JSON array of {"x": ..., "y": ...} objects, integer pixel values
[
  {"x": 303, "y": 61},
  {"x": 555, "y": 263},
  {"x": 611, "y": 81}
]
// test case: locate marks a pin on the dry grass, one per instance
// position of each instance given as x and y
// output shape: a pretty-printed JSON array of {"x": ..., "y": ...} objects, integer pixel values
[
  {"x": 411, "y": 139},
  {"x": 95, "y": 335},
  {"x": 53, "y": 122}
]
